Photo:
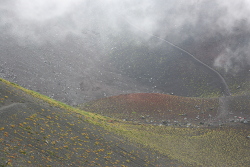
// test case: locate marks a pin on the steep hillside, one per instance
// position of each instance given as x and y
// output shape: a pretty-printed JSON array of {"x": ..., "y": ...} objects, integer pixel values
[
  {"x": 37, "y": 131},
  {"x": 69, "y": 72},
  {"x": 90, "y": 50},
  {"x": 80, "y": 70},
  {"x": 186, "y": 68},
  {"x": 164, "y": 68}
]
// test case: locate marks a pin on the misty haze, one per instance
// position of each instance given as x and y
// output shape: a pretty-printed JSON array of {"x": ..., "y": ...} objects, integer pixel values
[
  {"x": 76, "y": 51},
  {"x": 126, "y": 59}
]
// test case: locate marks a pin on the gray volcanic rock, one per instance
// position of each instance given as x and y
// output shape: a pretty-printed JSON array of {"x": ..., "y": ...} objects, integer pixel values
[{"x": 64, "y": 71}]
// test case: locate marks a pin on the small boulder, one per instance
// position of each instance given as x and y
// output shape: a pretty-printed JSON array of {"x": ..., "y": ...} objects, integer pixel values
[
  {"x": 164, "y": 122},
  {"x": 245, "y": 121},
  {"x": 242, "y": 120},
  {"x": 231, "y": 120},
  {"x": 110, "y": 121},
  {"x": 236, "y": 120}
]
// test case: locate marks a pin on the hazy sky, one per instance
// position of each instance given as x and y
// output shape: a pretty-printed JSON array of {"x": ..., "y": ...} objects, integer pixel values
[{"x": 40, "y": 21}]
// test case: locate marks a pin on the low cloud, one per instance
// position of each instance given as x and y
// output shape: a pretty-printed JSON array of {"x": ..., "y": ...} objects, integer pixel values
[{"x": 37, "y": 22}]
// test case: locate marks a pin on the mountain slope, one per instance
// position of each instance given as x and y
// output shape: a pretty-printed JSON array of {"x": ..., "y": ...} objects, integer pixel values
[
  {"x": 34, "y": 132},
  {"x": 38, "y": 131}
]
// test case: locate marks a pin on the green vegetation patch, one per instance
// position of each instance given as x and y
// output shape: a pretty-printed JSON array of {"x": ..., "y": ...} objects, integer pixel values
[{"x": 198, "y": 146}]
